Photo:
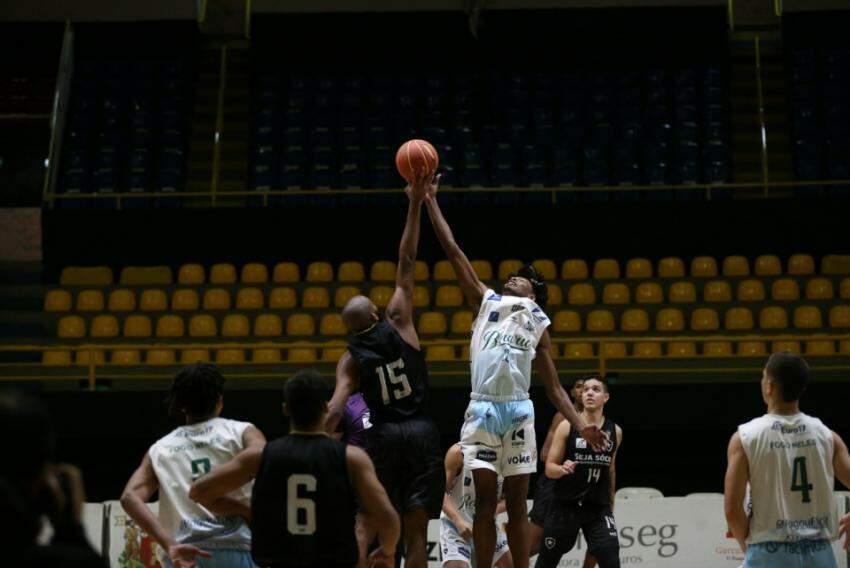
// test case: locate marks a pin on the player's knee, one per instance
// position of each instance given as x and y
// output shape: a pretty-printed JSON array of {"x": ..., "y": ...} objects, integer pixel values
[{"x": 485, "y": 503}]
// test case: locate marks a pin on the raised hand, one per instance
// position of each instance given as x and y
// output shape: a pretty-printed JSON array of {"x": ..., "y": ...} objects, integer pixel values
[{"x": 569, "y": 467}]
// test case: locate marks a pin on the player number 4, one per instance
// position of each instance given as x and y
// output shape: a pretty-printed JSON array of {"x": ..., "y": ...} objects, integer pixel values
[
  {"x": 400, "y": 385},
  {"x": 800, "y": 479},
  {"x": 300, "y": 511}
]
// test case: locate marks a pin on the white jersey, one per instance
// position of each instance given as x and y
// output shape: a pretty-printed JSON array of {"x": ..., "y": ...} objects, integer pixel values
[
  {"x": 184, "y": 455},
  {"x": 462, "y": 495},
  {"x": 791, "y": 478},
  {"x": 505, "y": 335}
]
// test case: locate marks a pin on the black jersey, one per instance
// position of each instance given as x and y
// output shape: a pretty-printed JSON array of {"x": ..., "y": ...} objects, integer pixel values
[
  {"x": 393, "y": 375},
  {"x": 590, "y": 484},
  {"x": 303, "y": 504}
]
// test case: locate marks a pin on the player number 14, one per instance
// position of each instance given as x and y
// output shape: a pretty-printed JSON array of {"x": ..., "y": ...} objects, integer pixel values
[{"x": 400, "y": 385}]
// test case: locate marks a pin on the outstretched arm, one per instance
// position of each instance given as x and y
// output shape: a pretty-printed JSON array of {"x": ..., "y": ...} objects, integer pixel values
[
  {"x": 735, "y": 487},
  {"x": 346, "y": 383},
  {"x": 454, "y": 467},
  {"x": 379, "y": 511},
  {"x": 227, "y": 477},
  {"x": 472, "y": 287}
]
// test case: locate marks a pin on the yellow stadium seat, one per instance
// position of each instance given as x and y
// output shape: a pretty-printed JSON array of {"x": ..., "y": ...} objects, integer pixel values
[
  {"x": 331, "y": 324},
  {"x": 508, "y": 267},
  {"x": 104, "y": 327},
  {"x": 614, "y": 350},
  {"x": 86, "y": 276},
  {"x": 738, "y": 319},
  {"x": 819, "y": 347},
  {"x": 265, "y": 356},
  {"x": 768, "y": 265},
  {"x": 431, "y": 323},
  {"x": 704, "y": 319},
  {"x": 146, "y": 276},
  {"x": 381, "y": 295},
  {"x": 752, "y": 349},
  {"x": 268, "y": 325},
  {"x": 84, "y": 357},
  {"x": 717, "y": 349},
  {"x": 801, "y": 265},
  {"x": 556, "y": 297},
  {"x": 669, "y": 319},
  {"x": 421, "y": 271},
  {"x": 170, "y": 326},
  {"x": 383, "y": 271},
  {"x": 578, "y": 350},
  {"x": 751, "y": 291},
  {"x": 282, "y": 298},
  {"x": 249, "y": 299},
  {"x": 615, "y": 293},
  {"x": 773, "y": 317},
  {"x": 57, "y": 301},
  {"x": 160, "y": 357},
  {"x": 189, "y": 356},
  {"x": 223, "y": 273},
  {"x": 834, "y": 264},
  {"x": 301, "y": 355},
  {"x": 334, "y": 351},
  {"x": 574, "y": 269},
  {"x": 600, "y": 321},
  {"x": 807, "y": 317},
  {"x": 343, "y": 294},
  {"x": 581, "y": 294},
  {"x": 444, "y": 271},
  {"x": 137, "y": 326},
  {"x": 462, "y": 322},
  {"x": 606, "y": 269},
  {"x": 646, "y": 349},
  {"x": 121, "y": 300},
  {"x": 483, "y": 269},
  {"x": 671, "y": 267},
  {"x": 351, "y": 271},
  {"x": 254, "y": 273},
  {"x": 315, "y": 297},
  {"x": 635, "y": 320},
  {"x": 153, "y": 300},
  {"x": 717, "y": 291},
  {"x": 785, "y": 289},
  {"x": 790, "y": 346},
  {"x": 56, "y": 358},
  {"x": 286, "y": 273},
  {"x": 818, "y": 289},
  {"x": 449, "y": 297},
  {"x": 421, "y": 297},
  {"x": 185, "y": 300},
  {"x": 437, "y": 353},
  {"x": 320, "y": 272},
  {"x": 682, "y": 293},
  {"x": 202, "y": 325},
  {"x": 839, "y": 316},
  {"x": 736, "y": 266},
  {"x": 568, "y": 321},
  {"x": 546, "y": 268},
  {"x": 681, "y": 349},
  {"x": 464, "y": 352},
  {"x": 235, "y": 325},
  {"x": 216, "y": 299},
  {"x": 300, "y": 325},
  {"x": 125, "y": 357},
  {"x": 191, "y": 275},
  {"x": 844, "y": 347},
  {"x": 90, "y": 301},
  {"x": 71, "y": 327},
  {"x": 649, "y": 293},
  {"x": 844, "y": 289},
  {"x": 638, "y": 268},
  {"x": 229, "y": 356}
]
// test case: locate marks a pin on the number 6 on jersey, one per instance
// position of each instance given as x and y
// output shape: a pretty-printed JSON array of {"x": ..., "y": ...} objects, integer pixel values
[{"x": 300, "y": 508}]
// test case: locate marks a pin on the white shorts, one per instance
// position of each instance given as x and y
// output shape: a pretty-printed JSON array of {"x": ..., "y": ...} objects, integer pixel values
[
  {"x": 454, "y": 548},
  {"x": 499, "y": 436}
]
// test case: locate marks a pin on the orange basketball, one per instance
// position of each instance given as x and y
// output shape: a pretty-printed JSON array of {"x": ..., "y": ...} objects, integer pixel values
[{"x": 416, "y": 157}]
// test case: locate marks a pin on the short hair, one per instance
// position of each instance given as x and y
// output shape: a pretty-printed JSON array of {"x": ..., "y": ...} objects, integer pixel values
[
  {"x": 196, "y": 389},
  {"x": 790, "y": 372},
  {"x": 357, "y": 314},
  {"x": 599, "y": 378},
  {"x": 538, "y": 284},
  {"x": 305, "y": 396},
  {"x": 27, "y": 436}
]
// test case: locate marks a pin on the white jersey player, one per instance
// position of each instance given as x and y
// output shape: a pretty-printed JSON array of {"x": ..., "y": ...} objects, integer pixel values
[
  {"x": 790, "y": 460},
  {"x": 218, "y": 536}
]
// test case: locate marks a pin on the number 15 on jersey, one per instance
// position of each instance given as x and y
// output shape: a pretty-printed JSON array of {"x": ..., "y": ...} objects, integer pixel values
[{"x": 394, "y": 373}]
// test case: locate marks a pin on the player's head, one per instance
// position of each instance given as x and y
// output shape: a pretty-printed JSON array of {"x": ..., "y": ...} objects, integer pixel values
[
  {"x": 527, "y": 283},
  {"x": 577, "y": 389},
  {"x": 305, "y": 401},
  {"x": 197, "y": 392},
  {"x": 595, "y": 393},
  {"x": 785, "y": 378},
  {"x": 359, "y": 314}
]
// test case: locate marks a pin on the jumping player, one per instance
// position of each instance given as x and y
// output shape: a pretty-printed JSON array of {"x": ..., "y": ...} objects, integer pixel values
[{"x": 790, "y": 460}]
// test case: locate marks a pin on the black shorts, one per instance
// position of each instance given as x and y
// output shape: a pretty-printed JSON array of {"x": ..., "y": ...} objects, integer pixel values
[
  {"x": 542, "y": 498},
  {"x": 409, "y": 463},
  {"x": 561, "y": 530}
]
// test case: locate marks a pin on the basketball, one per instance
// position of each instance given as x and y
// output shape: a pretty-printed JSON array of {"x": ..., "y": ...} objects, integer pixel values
[{"x": 416, "y": 157}]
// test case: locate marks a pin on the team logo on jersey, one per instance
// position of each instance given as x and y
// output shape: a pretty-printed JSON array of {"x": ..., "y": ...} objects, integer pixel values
[
  {"x": 521, "y": 459},
  {"x": 518, "y": 437},
  {"x": 581, "y": 443},
  {"x": 550, "y": 542},
  {"x": 486, "y": 455},
  {"x": 780, "y": 427},
  {"x": 494, "y": 317}
]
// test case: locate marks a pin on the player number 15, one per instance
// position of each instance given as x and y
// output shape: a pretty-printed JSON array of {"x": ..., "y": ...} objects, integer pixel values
[{"x": 400, "y": 385}]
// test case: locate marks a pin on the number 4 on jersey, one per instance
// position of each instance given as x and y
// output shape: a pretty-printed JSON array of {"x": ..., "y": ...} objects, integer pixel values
[{"x": 800, "y": 479}]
